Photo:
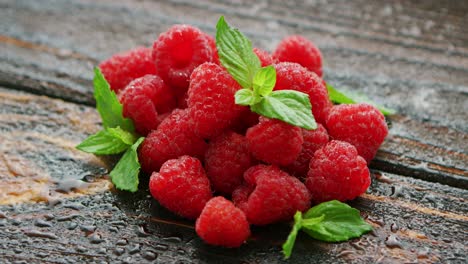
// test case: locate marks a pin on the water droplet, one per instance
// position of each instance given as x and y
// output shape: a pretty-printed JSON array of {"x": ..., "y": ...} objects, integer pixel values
[
  {"x": 3, "y": 222},
  {"x": 36, "y": 233},
  {"x": 72, "y": 226},
  {"x": 102, "y": 250},
  {"x": 3, "y": 215},
  {"x": 397, "y": 191},
  {"x": 42, "y": 254},
  {"x": 67, "y": 217},
  {"x": 49, "y": 217},
  {"x": 134, "y": 249},
  {"x": 88, "y": 228},
  {"x": 113, "y": 229},
  {"x": 68, "y": 185},
  {"x": 15, "y": 222},
  {"x": 173, "y": 239},
  {"x": 17, "y": 250},
  {"x": 161, "y": 247},
  {"x": 95, "y": 239},
  {"x": 81, "y": 249},
  {"x": 394, "y": 227},
  {"x": 119, "y": 251},
  {"x": 149, "y": 255},
  {"x": 121, "y": 242},
  {"x": 42, "y": 223},
  {"x": 74, "y": 206},
  {"x": 141, "y": 232},
  {"x": 393, "y": 242}
]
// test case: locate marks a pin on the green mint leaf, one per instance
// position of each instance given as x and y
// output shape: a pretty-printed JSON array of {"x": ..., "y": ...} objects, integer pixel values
[
  {"x": 246, "y": 97},
  {"x": 289, "y": 244},
  {"x": 264, "y": 80},
  {"x": 125, "y": 173},
  {"x": 108, "y": 104},
  {"x": 107, "y": 142},
  {"x": 126, "y": 137},
  {"x": 235, "y": 53},
  {"x": 340, "y": 222},
  {"x": 340, "y": 97},
  {"x": 290, "y": 106}
]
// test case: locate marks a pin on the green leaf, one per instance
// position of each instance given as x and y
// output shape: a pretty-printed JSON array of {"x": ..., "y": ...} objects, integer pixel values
[
  {"x": 107, "y": 142},
  {"x": 125, "y": 173},
  {"x": 290, "y": 106},
  {"x": 246, "y": 97},
  {"x": 108, "y": 104},
  {"x": 264, "y": 80},
  {"x": 340, "y": 97},
  {"x": 289, "y": 244},
  {"x": 235, "y": 53},
  {"x": 340, "y": 222}
]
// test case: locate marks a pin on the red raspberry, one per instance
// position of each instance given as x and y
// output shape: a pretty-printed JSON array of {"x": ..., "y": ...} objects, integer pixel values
[
  {"x": 120, "y": 69},
  {"x": 245, "y": 121},
  {"x": 181, "y": 186},
  {"x": 212, "y": 42},
  {"x": 313, "y": 140},
  {"x": 362, "y": 125},
  {"x": 222, "y": 224},
  {"x": 275, "y": 195},
  {"x": 211, "y": 100},
  {"x": 173, "y": 138},
  {"x": 178, "y": 51},
  {"x": 337, "y": 172},
  {"x": 274, "y": 141},
  {"x": 143, "y": 99},
  {"x": 300, "y": 50},
  {"x": 292, "y": 76},
  {"x": 265, "y": 57},
  {"x": 226, "y": 159}
]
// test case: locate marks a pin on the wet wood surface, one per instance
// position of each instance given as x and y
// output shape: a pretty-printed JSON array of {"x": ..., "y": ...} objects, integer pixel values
[{"x": 58, "y": 206}]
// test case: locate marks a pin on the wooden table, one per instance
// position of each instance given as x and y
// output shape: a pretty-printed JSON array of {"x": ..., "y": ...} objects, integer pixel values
[{"x": 409, "y": 55}]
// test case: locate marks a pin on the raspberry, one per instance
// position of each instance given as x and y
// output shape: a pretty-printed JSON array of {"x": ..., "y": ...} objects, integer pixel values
[
  {"x": 120, "y": 69},
  {"x": 265, "y": 57},
  {"x": 300, "y": 50},
  {"x": 337, "y": 172},
  {"x": 178, "y": 51},
  {"x": 181, "y": 186},
  {"x": 212, "y": 43},
  {"x": 313, "y": 140},
  {"x": 274, "y": 141},
  {"x": 143, "y": 99},
  {"x": 211, "y": 100},
  {"x": 222, "y": 224},
  {"x": 246, "y": 120},
  {"x": 173, "y": 138},
  {"x": 362, "y": 125},
  {"x": 275, "y": 195},
  {"x": 226, "y": 159},
  {"x": 292, "y": 76}
]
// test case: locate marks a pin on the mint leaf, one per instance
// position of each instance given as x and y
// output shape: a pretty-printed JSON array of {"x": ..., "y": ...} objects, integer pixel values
[
  {"x": 340, "y": 222},
  {"x": 264, "y": 80},
  {"x": 107, "y": 142},
  {"x": 235, "y": 53},
  {"x": 108, "y": 105},
  {"x": 290, "y": 106},
  {"x": 340, "y": 97},
  {"x": 289, "y": 244},
  {"x": 125, "y": 173},
  {"x": 245, "y": 97}
]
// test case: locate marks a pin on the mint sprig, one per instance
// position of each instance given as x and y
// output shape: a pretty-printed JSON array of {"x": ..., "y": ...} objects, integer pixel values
[
  {"x": 117, "y": 136},
  {"x": 341, "y": 97},
  {"x": 107, "y": 142},
  {"x": 125, "y": 173},
  {"x": 331, "y": 221},
  {"x": 236, "y": 55}
]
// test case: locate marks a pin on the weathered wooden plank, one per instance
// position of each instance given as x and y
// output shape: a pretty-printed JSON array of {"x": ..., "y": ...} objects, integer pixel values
[
  {"x": 414, "y": 220},
  {"x": 56, "y": 59}
]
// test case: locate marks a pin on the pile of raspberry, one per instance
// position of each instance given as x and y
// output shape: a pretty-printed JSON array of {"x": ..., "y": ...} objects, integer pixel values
[{"x": 224, "y": 166}]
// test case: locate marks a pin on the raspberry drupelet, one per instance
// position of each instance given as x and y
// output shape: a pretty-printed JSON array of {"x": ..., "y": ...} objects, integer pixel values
[{"x": 120, "y": 69}]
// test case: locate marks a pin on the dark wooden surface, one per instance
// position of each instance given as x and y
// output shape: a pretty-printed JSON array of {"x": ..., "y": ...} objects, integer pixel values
[{"x": 57, "y": 205}]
